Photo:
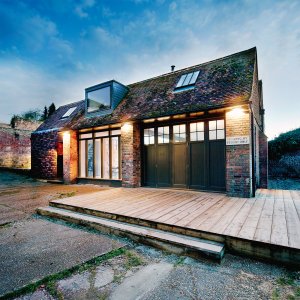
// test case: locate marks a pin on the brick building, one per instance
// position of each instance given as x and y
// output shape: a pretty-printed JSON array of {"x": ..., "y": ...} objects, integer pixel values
[
  {"x": 201, "y": 127},
  {"x": 15, "y": 144}
]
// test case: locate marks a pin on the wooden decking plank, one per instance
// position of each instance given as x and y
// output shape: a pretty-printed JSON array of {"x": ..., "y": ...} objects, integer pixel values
[
  {"x": 292, "y": 219},
  {"x": 264, "y": 226},
  {"x": 237, "y": 222},
  {"x": 185, "y": 222},
  {"x": 224, "y": 222},
  {"x": 221, "y": 213},
  {"x": 176, "y": 215},
  {"x": 249, "y": 227},
  {"x": 279, "y": 234},
  {"x": 208, "y": 214}
]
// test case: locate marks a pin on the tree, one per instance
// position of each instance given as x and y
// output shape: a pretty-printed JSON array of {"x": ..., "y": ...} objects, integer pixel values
[
  {"x": 13, "y": 121},
  {"x": 51, "y": 109},
  {"x": 45, "y": 113}
]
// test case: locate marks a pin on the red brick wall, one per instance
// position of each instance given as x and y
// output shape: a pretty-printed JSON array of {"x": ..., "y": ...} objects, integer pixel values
[
  {"x": 44, "y": 154},
  {"x": 131, "y": 155},
  {"x": 238, "y": 157},
  {"x": 263, "y": 160},
  {"x": 15, "y": 148},
  {"x": 70, "y": 156}
]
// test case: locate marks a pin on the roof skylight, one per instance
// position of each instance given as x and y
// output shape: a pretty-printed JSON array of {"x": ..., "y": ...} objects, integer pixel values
[
  {"x": 187, "y": 79},
  {"x": 69, "y": 112}
]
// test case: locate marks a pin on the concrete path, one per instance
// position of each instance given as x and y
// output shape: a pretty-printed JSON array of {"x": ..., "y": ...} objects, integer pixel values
[{"x": 31, "y": 250}]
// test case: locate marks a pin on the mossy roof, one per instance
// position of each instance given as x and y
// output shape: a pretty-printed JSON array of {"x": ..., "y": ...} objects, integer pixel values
[{"x": 223, "y": 82}]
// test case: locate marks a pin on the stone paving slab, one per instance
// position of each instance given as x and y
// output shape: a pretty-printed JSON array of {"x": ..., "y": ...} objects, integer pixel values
[{"x": 31, "y": 250}]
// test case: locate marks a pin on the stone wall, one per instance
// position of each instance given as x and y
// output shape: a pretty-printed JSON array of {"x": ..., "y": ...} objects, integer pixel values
[
  {"x": 15, "y": 145},
  {"x": 44, "y": 154},
  {"x": 131, "y": 155}
]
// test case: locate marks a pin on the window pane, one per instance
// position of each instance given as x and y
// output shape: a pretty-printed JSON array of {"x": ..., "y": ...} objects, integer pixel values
[
  {"x": 193, "y": 127},
  {"x": 98, "y": 99},
  {"x": 181, "y": 80},
  {"x": 151, "y": 140},
  {"x": 182, "y": 128},
  {"x": 82, "y": 159},
  {"x": 115, "y": 157},
  {"x": 182, "y": 137},
  {"x": 220, "y": 134},
  {"x": 212, "y": 125},
  {"x": 166, "y": 130},
  {"x": 166, "y": 138},
  {"x": 194, "y": 77},
  {"x": 176, "y": 128},
  {"x": 146, "y": 140},
  {"x": 187, "y": 79},
  {"x": 160, "y": 130},
  {"x": 193, "y": 136},
  {"x": 101, "y": 133},
  {"x": 220, "y": 124},
  {"x": 151, "y": 131},
  {"x": 176, "y": 137},
  {"x": 212, "y": 135},
  {"x": 160, "y": 139},
  {"x": 90, "y": 158},
  {"x": 200, "y": 136},
  {"x": 200, "y": 126},
  {"x": 86, "y": 136},
  {"x": 105, "y": 142},
  {"x": 116, "y": 132},
  {"x": 98, "y": 158}
]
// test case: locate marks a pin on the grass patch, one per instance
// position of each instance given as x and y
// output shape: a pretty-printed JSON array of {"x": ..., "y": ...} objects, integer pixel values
[
  {"x": 65, "y": 195},
  {"x": 285, "y": 280},
  {"x": 132, "y": 260},
  {"x": 50, "y": 281},
  {"x": 180, "y": 261},
  {"x": 275, "y": 295},
  {"x": 6, "y": 225},
  {"x": 297, "y": 293}
]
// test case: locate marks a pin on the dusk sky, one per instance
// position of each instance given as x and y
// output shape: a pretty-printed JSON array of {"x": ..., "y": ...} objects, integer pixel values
[{"x": 51, "y": 50}]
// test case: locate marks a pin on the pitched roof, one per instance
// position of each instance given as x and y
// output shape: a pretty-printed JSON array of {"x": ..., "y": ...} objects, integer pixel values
[
  {"x": 222, "y": 82},
  {"x": 55, "y": 121}
]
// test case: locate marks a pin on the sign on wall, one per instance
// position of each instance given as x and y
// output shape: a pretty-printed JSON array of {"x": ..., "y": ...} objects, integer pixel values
[{"x": 237, "y": 140}]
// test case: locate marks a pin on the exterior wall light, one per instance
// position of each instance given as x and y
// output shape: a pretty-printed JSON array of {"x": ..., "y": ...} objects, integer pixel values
[
  {"x": 236, "y": 112},
  {"x": 127, "y": 127}
]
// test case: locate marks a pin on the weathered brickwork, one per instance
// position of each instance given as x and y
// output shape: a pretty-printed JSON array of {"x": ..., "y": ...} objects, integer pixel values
[
  {"x": 70, "y": 157},
  {"x": 44, "y": 154},
  {"x": 238, "y": 157},
  {"x": 263, "y": 160},
  {"x": 131, "y": 155},
  {"x": 15, "y": 145}
]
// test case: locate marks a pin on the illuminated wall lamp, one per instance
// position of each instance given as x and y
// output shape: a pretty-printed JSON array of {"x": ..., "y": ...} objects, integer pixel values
[{"x": 236, "y": 112}]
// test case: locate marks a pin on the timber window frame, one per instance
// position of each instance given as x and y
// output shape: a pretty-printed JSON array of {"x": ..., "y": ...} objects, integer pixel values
[{"x": 100, "y": 155}]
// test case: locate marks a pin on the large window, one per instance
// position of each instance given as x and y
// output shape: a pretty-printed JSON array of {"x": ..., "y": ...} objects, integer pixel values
[
  {"x": 98, "y": 99},
  {"x": 187, "y": 79},
  {"x": 99, "y": 155}
]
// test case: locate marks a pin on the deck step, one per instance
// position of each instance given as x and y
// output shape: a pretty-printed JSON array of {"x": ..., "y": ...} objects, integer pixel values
[{"x": 176, "y": 243}]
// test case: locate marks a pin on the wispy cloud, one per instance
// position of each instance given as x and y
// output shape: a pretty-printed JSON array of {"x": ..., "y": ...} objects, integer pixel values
[{"x": 81, "y": 9}]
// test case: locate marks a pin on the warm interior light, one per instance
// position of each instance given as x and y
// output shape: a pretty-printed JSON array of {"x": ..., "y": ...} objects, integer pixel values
[
  {"x": 163, "y": 118},
  {"x": 149, "y": 120}
]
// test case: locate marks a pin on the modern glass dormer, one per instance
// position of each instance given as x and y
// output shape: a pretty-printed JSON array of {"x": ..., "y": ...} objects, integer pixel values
[{"x": 103, "y": 98}]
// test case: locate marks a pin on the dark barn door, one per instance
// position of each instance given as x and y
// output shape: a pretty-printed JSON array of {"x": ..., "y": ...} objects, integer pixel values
[{"x": 186, "y": 155}]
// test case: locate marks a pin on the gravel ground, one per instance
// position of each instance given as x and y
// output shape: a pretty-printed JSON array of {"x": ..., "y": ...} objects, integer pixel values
[
  {"x": 127, "y": 277},
  {"x": 20, "y": 195},
  {"x": 284, "y": 184}
]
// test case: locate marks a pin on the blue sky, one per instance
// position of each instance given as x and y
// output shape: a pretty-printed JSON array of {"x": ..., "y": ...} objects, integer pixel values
[{"x": 50, "y": 50}]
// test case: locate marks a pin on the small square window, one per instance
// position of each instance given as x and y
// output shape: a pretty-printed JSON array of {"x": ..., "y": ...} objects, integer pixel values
[
  {"x": 163, "y": 135},
  {"x": 179, "y": 133},
  {"x": 149, "y": 136},
  {"x": 216, "y": 130},
  {"x": 197, "y": 131}
]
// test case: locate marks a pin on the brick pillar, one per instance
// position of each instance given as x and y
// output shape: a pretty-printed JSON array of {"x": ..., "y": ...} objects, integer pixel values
[
  {"x": 131, "y": 155},
  {"x": 263, "y": 160},
  {"x": 70, "y": 156},
  {"x": 238, "y": 157}
]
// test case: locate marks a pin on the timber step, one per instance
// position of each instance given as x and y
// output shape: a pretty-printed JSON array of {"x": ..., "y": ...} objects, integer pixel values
[{"x": 173, "y": 242}]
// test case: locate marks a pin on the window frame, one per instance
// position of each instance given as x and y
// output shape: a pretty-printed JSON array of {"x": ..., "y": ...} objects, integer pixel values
[{"x": 111, "y": 133}]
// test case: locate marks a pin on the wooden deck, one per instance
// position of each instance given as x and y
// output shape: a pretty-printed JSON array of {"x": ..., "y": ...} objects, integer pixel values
[{"x": 272, "y": 217}]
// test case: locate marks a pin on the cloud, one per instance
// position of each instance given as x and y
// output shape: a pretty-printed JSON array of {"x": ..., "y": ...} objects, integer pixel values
[{"x": 80, "y": 10}]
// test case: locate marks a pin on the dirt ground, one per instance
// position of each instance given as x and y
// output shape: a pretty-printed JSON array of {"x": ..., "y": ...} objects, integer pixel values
[{"x": 20, "y": 195}]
